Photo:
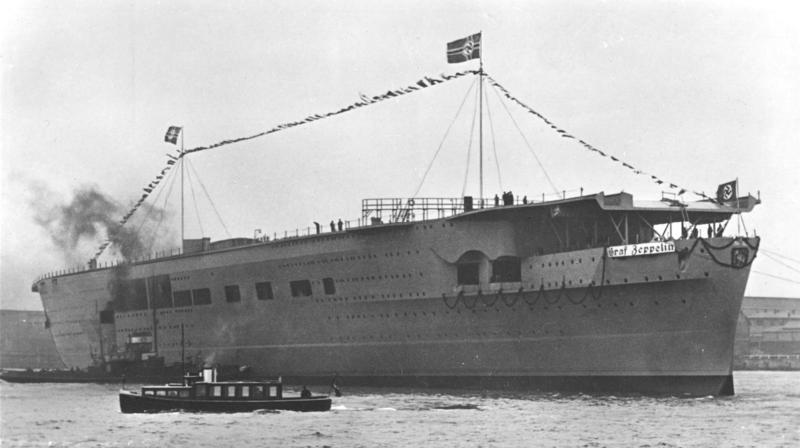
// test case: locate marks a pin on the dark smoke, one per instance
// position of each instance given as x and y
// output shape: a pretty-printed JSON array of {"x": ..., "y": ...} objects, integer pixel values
[{"x": 89, "y": 219}]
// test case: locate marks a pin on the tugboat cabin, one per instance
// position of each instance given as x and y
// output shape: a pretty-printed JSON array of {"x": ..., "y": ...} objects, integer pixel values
[
  {"x": 206, "y": 387},
  {"x": 231, "y": 390}
]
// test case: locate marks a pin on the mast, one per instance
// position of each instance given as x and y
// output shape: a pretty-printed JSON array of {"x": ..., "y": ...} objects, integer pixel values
[
  {"x": 100, "y": 336},
  {"x": 182, "y": 213},
  {"x": 152, "y": 302},
  {"x": 738, "y": 211},
  {"x": 480, "y": 119},
  {"x": 183, "y": 364}
]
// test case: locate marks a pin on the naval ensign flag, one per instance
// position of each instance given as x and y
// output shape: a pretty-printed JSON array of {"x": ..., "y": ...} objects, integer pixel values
[
  {"x": 727, "y": 192},
  {"x": 172, "y": 134},
  {"x": 464, "y": 49}
]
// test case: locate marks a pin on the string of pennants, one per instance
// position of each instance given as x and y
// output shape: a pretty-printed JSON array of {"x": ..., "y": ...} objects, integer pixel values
[
  {"x": 364, "y": 100},
  {"x": 589, "y": 147}
]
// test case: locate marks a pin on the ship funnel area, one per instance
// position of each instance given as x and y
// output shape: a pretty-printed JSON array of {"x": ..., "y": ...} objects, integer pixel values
[{"x": 209, "y": 374}]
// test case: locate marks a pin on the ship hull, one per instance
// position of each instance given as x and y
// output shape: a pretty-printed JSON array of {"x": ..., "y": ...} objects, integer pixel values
[
  {"x": 576, "y": 321},
  {"x": 672, "y": 385}
]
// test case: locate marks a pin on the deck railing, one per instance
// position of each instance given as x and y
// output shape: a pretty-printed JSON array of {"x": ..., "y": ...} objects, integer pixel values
[{"x": 374, "y": 211}]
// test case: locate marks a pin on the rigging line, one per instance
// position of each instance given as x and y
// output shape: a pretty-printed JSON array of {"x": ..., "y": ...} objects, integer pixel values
[
  {"x": 589, "y": 147},
  {"x": 152, "y": 206},
  {"x": 776, "y": 276},
  {"x": 423, "y": 83},
  {"x": 469, "y": 148},
  {"x": 149, "y": 210},
  {"x": 441, "y": 144},
  {"x": 780, "y": 262},
  {"x": 194, "y": 201},
  {"x": 780, "y": 255},
  {"x": 530, "y": 148},
  {"x": 494, "y": 144},
  {"x": 163, "y": 207},
  {"x": 208, "y": 196}
]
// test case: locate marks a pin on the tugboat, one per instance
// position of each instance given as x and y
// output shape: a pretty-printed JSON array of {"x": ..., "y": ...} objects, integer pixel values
[{"x": 204, "y": 393}]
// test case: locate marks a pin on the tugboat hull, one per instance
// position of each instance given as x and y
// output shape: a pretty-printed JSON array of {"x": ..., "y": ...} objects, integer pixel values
[{"x": 130, "y": 402}]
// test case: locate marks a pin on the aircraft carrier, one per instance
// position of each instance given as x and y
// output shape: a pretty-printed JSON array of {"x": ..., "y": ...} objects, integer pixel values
[{"x": 592, "y": 293}]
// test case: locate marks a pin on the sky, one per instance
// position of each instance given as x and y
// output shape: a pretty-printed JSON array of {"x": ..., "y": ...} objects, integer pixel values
[{"x": 698, "y": 93}]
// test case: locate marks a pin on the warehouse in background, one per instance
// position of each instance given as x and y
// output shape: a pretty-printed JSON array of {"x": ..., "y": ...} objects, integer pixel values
[
  {"x": 25, "y": 342},
  {"x": 768, "y": 334}
]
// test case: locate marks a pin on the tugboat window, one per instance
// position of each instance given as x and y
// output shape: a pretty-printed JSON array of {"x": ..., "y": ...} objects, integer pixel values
[
  {"x": 506, "y": 269},
  {"x": 201, "y": 296},
  {"x": 245, "y": 391},
  {"x": 258, "y": 392},
  {"x": 328, "y": 286},
  {"x": 232, "y": 293},
  {"x": 300, "y": 288},
  {"x": 216, "y": 391},
  {"x": 264, "y": 291},
  {"x": 468, "y": 274},
  {"x": 182, "y": 298},
  {"x": 183, "y": 393},
  {"x": 231, "y": 392}
]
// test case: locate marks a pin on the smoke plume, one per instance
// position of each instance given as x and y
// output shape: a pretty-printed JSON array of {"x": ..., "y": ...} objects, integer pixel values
[{"x": 89, "y": 218}]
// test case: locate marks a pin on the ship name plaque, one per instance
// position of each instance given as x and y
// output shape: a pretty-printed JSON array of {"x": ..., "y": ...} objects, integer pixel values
[{"x": 635, "y": 250}]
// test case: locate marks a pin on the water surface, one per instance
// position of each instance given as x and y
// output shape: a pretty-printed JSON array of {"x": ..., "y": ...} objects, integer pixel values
[{"x": 765, "y": 412}]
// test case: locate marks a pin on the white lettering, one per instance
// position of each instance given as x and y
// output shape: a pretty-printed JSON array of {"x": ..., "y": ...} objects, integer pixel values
[{"x": 634, "y": 250}]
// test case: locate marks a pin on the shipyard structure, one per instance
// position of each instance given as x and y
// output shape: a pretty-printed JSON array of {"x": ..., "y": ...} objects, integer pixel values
[
  {"x": 768, "y": 334},
  {"x": 591, "y": 293},
  {"x": 25, "y": 341}
]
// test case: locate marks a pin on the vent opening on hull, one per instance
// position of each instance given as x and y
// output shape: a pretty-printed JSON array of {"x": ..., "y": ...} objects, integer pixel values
[
  {"x": 201, "y": 296},
  {"x": 468, "y": 273},
  {"x": 300, "y": 288},
  {"x": 506, "y": 269},
  {"x": 329, "y": 286},
  {"x": 264, "y": 291}
]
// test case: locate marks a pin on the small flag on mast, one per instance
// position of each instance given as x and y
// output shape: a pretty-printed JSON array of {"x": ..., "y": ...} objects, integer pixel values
[
  {"x": 462, "y": 50},
  {"x": 172, "y": 134},
  {"x": 727, "y": 192}
]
